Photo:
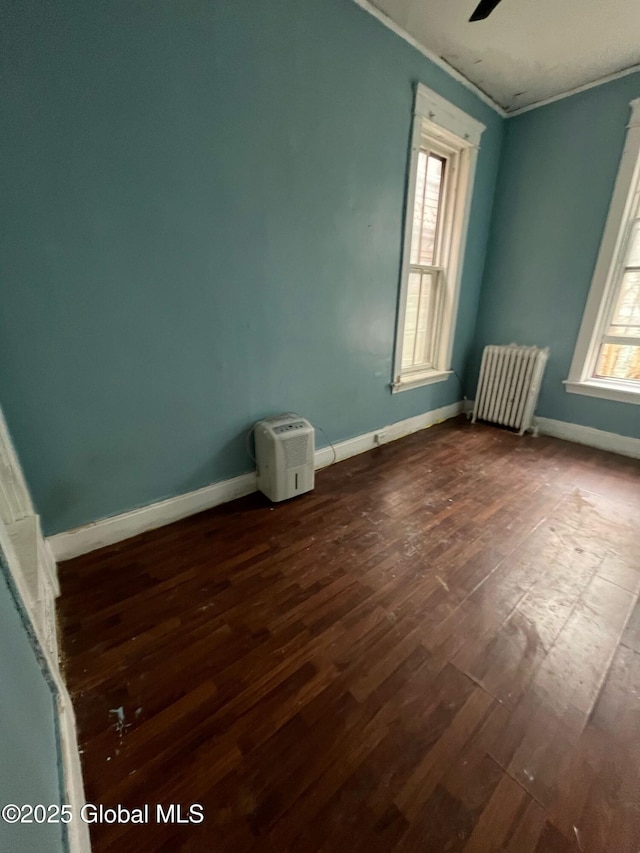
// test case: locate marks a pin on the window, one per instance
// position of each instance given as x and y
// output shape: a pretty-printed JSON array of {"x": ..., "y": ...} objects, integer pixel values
[
  {"x": 423, "y": 302},
  {"x": 441, "y": 171},
  {"x": 606, "y": 361}
]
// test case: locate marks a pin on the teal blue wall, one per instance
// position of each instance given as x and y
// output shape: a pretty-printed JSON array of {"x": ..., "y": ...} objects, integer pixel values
[
  {"x": 202, "y": 213},
  {"x": 556, "y": 178},
  {"x": 29, "y": 760}
]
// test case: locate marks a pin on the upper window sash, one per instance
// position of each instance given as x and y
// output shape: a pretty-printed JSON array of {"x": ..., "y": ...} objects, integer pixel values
[{"x": 427, "y": 157}]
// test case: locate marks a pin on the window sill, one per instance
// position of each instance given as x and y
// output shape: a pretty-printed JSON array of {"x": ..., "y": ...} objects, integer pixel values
[
  {"x": 417, "y": 380},
  {"x": 618, "y": 391}
]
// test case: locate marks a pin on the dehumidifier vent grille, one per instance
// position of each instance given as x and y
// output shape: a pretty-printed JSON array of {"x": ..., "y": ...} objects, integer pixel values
[{"x": 295, "y": 451}]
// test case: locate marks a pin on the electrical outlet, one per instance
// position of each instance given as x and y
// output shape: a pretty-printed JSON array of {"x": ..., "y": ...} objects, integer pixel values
[{"x": 379, "y": 437}]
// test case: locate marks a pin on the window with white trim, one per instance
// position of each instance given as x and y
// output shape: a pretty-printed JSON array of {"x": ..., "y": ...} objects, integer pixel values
[
  {"x": 619, "y": 355},
  {"x": 444, "y": 150},
  {"x": 606, "y": 361}
]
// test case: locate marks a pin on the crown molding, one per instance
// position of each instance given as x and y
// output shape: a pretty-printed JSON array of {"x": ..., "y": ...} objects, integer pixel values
[
  {"x": 433, "y": 57},
  {"x": 609, "y": 78},
  {"x": 369, "y": 7}
]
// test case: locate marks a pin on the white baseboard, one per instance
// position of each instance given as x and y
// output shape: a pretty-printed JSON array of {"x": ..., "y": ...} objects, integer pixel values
[
  {"x": 108, "y": 531},
  {"x": 611, "y": 441},
  {"x": 369, "y": 440},
  {"x": 625, "y": 445}
]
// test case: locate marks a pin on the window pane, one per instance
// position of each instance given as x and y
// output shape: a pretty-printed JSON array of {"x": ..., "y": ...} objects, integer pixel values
[
  {"x": 422, "y": 306},
  {"x": 418, "y": 202},
  {"x": 423, "y": 325},
  {"x": 435, "y": 175},
  {"x": 427, "y": 208},
  {"x": 411, "y": 319},
  {"x": 633, "y": 257},
  {"x": 626, "y": 315},
  {"x": 617, "y": 361}
]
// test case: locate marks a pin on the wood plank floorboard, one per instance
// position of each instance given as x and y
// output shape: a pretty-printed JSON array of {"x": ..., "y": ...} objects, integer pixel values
[{"x": 436, "y": 650}]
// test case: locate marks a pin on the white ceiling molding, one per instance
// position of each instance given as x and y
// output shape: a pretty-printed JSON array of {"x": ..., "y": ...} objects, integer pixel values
[
  {"x": 632, "y": 70},
  {"x": 516, "y": 60},
  {"x": 437, "y": 60}
]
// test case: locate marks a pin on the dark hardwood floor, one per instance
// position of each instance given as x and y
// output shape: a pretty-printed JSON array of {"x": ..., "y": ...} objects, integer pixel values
[{"x": 436, "y": 650}]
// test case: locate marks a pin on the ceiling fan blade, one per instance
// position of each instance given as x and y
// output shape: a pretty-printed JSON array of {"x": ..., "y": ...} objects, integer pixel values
[{"x": 484, "y": 9}]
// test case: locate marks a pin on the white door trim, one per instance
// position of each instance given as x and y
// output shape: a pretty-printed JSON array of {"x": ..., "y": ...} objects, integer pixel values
[{"x": 33, "y": 577}]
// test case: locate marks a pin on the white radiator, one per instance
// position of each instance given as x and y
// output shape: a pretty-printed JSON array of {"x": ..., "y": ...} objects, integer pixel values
[{"x": 509, "y": 384}]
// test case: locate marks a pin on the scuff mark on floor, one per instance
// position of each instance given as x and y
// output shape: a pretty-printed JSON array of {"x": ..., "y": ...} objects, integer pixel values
[
  {"x": 579, "y": 842},
  {"x": 119, "y": 725}
]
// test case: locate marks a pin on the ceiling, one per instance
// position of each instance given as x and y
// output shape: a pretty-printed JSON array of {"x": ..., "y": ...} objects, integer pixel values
[{"x": 527, "y": 50}]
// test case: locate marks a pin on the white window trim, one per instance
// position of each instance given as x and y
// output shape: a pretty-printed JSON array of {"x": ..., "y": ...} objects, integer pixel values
[
  {"x": 449, "y": 119},
  {"x": 605, "y": 279}
]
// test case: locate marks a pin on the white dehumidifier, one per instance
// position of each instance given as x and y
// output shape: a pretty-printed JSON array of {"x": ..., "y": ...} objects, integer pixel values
[{"x": 284, "y": 456}]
